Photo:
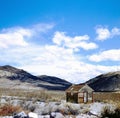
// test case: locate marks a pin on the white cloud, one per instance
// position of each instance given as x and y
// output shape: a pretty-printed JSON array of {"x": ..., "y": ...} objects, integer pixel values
[
  {"x": 82, "y": 44},
  {"x": 14, "y": 37},
  {"x": 113, "y": 55},
  {"x": 115, "y": 31},
  {"x": 17, "y": 36},
  {"x": 59, "y": 38},
  {"x": 76, "y": 42},
  {"x": 42, "y": 27},
  {"x": 105, "y": 33}
]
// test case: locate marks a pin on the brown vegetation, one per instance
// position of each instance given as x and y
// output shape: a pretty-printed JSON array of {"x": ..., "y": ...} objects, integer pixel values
[{"x": 9, "y": 109}]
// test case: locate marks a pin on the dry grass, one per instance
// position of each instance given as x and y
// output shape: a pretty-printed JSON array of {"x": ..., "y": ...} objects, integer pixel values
[
  {"x": 39, "y": 95},
  {"x": 106, "y": 96}
]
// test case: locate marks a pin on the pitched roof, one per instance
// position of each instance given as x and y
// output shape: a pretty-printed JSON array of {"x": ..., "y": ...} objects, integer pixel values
[{"x": 76, "y": 87}]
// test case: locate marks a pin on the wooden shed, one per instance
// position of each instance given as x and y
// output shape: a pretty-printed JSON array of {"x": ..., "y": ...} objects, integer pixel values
[{"x": 80, "y": 93}]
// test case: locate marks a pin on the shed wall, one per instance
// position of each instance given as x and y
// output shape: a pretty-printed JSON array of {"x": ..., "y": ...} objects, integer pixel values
[{"x": 72, "y": 97}]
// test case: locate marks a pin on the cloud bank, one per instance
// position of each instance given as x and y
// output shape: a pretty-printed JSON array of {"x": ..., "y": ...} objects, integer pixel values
[{"x": 61, "y": 56}]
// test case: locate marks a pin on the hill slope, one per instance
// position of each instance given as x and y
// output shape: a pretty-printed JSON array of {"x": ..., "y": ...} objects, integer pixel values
[
  {"x": 57, "y": 82},
  {"x": 12, "y": 77},
  {"x": 106, "y": 82}
]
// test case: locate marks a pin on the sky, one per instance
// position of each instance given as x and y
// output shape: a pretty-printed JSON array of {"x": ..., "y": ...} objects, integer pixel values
[{"x": 75, "y": 40}]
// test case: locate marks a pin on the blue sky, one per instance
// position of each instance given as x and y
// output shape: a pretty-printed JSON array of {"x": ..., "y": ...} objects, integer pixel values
[{"x": 72, "y": 39}]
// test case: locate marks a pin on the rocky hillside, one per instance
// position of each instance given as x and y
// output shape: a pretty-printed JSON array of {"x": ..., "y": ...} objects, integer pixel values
[
  {"x": 57, "y": 82},
  {"x": 12, "y": 77},
  {"x": 106, "y": 82}
]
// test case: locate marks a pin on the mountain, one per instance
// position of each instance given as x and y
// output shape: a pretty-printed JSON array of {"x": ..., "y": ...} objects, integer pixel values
[
  {"x": 11, "y": 77},
  {"x": 106, "y": 82},
  {"x": 57, "y": 82}
]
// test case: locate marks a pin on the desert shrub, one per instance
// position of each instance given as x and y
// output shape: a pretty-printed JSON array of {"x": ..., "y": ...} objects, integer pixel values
[
  {"x": 8, "y": 109},
  {"x": 107, "y": 113}
]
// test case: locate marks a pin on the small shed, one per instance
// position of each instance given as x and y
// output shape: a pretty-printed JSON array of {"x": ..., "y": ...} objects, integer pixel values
[{"x": 80, "y": 93}]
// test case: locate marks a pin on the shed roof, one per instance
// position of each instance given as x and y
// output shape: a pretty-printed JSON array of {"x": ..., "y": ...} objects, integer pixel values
[{"x": 76, "y": 87}]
